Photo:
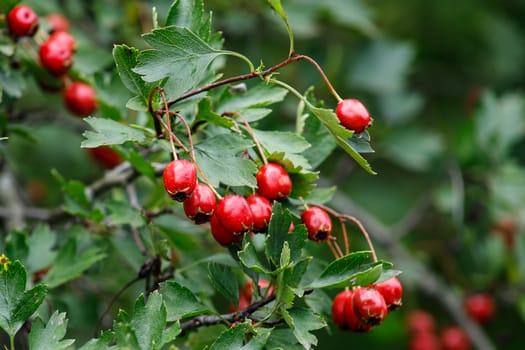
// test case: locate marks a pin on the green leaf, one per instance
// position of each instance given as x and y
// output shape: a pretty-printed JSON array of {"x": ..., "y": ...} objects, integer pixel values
[
  {"x": 7, "y": 5},
  {"x": 121, "y": 213},
  {"x": 12, "y": 82},
  {"x": 278, "y": 7},
  {"x": 16, "y": 245},
  {"x": 258, "y": 341},
  {"x": 180, "y": 301},
  {"x": 126, "y": 59},
  {"x": 125, "y": 337},
  {"x": 16, "y": 303},
  {"x": 70, "y": 264},
  {"x": 348, "y": 148},
  {"x": 41, "y": 243},
  {"x": 277, "y": 233},
  {"x": 283, "y": 339},
  {"x": 101, "y": 343},
  {"x": 49, "y": 336},
  {"x": 223, "y": 280},
  {"x": 321, "y": 141},
  {"x": 352, "y": 269},
  {"x": 254, "y": 98},
  {"x": 207, "y": 114},
  {"x": 250, "y": 259},
  {"x": 109, "y": 132},
  {"x": 321, "y": 195},
  {"x": 284, "y": 141},
  {"x": 149, "y": 321},
  {"x": 190, "y": 14},
  {"x": 302, "y": 321},
  {"x": 232, "y": 338},
  {"x": 218, "y": 158},
  {"x": 142, "y": 165}
]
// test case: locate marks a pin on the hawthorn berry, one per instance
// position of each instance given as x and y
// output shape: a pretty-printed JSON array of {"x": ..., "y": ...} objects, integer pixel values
[
  {"x": 64, "y": 38},
  {"x": 318, "y": 224},
  {"x": 221, "y": 235},
  {"x": 419, "y": 321},
  {"x": 180, "y": 179},
  {"x": 57, "y": 23},
  {"x": 234, "y": 214},
  {"x": 424, "y": 341},
  {"x": 201, "y": 204},
  {"x": 369, "y": 306},
  {"x": 273, "y": 182},
  {"x": 261, "y": 212},
  {"x": 353, "y": 115},
  {"x": 392, "y": 292},
  {"x": 353, "y": 322},
  {"x": 22, "y": 21},
  {"x": 338, "y": 308},
  {"x": 56, "y": 56},
  {"x": 80, "y": 99},
  {"x": 480, "y": 307},
  {"x": 454, "y": 338},
  {"x": 105, "y": 156}
]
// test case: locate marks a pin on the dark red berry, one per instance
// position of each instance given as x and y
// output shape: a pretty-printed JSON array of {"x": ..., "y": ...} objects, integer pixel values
[
  {"x": 221, "y": 235},
  {"x": 420, "y": 321},
  {"x": 201, "y": 204},
  {"x": 455, "y": 338},
  {"x": 22, "y": 21},
  {"x": 353, "y": 115},
  {"x": 57, "y": 22},
  {"x": 273, "y": 182},
  {"x": 480, "y": 307},
  {"x": 105, "y": 156},
  {"x": 261, "y": 212},
  {"x": 392, "y": 292},
  {"x": 234, "y": 214},
  {"x": 180, "y": 179},
  {"x": 65, "y": 39},
  {"x": 318, "y": 224},
  {"x": 369, "y": 306},
  {"x": 56, "y": 56},
  {"x": 424, "y": 341},
  {"x": 80, "y": 99},
  {"x": 338, "y": 309},
  {"x": 353, "y": 322}
]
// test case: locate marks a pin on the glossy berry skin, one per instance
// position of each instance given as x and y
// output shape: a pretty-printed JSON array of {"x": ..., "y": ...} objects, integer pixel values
[
  {"x": 338, "y": 308},
  {"x": 234, "y": 214},
  {"x": 392, "y": 292},
  {"x": 454, "y": 338},
  {"x": 201, "y": 204},
  {"x": 419, "y": 321},
  {"x": 56, "y": 56},
  {"x": 22, "y": 21},
  {"x": 65, "y": 39},
  {"x": 353, "y": 115},
  {"x": 261, "y": 212},
  {"x": 57, "y": 23},
  {"x": 424, "y": 341},
  {"x": 480, "y": 307},
  {"x": 273, "y": 182},
  {"x": 80, "y": 99},
  {"x": 221, "y": 235},
  {"x": 180, "y": 179},
  {"x": 369, "y": 306},
  {"x": 105, "y": 156},
  {"x": 318, "y": 224}
]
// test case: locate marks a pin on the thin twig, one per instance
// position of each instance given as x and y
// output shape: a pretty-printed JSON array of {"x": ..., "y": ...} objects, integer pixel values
[{"x": 249, "y": 130}]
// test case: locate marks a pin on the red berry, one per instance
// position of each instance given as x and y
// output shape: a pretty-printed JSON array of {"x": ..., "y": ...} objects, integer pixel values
[
  {"x": 22, "y": 21},
  {"x": 318, "y": 224},
  {"x": 65, "y": 39},
  {"x": 353, "y": 322},
  {"x": 424, "y": 341},
  {"x": 480, "y": 307},
  {"x": 234, "y": 214},
  {"x": 392, "y": 292},
  {"x": 57, "y": 22},
  {"x": 273, "y": 182},
  {"x": 419, "y": 321},
  {"x": 80, "y": 99},
  {"x": 56, "y": 56},
  {"x": 221, "y": 235},
  {"x": 105, "y": 156},
  {"x": 455, "y": 338},
  {"x": 369, "y": 306},
  {"x": 261, "y": 212},
  {"x": 353, "y": 115},
  {"x": 180, "y": 179},
  {"x": 201, "y": 204},
  {"x": 338, "y": 309}
]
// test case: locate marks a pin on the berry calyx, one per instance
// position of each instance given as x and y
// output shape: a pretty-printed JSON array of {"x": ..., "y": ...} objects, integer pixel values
[
  {"x": 22, "y": 21},
  {"x": 80, "y": 99},
  {"x": 392, "y": 292},
  {"x": 180, "y": 179},
  {"x": 57, "y": 23},
  {"x": 56, "y": 56},
  {"x": 480, "y": 307},
  {"x": 105, "y": 156},
  {"x": 220, "y": 234},
  {"x": 318, "y": 224},
  {"x": 234, "y": 214},
  {"x": 454, "y": 338},
  {"x": 261, "y": 212},
  {"x": 273, "y": 182},
  {"x": 369, "y": 306},
  {"x": 353, "y": 115},
  {"x": 201, "y": 204}
]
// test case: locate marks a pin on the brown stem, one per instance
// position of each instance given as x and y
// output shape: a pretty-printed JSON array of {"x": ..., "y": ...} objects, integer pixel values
[
  {"x": 345, "y": 237},
  {"x": 330, "y": 245},
  {"x": 364, "y": 232}
]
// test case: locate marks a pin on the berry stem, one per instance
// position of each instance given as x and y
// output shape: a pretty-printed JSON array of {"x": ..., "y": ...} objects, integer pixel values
[
  {"x": 156, "y": 123},
  {"x": 168, "y": 120},
  {"x": 335, "y": 252},
  {"x": 364, "y": 232},
  {"x": 323, "y": 75},
  {"x": 345, "y": 237},
  {"x": 249, "y": 130}
]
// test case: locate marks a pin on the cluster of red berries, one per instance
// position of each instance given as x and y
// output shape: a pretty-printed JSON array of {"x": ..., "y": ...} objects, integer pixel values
[
  {"x": 363, "y": 308},
  {"x": 56, "y": 55}
]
